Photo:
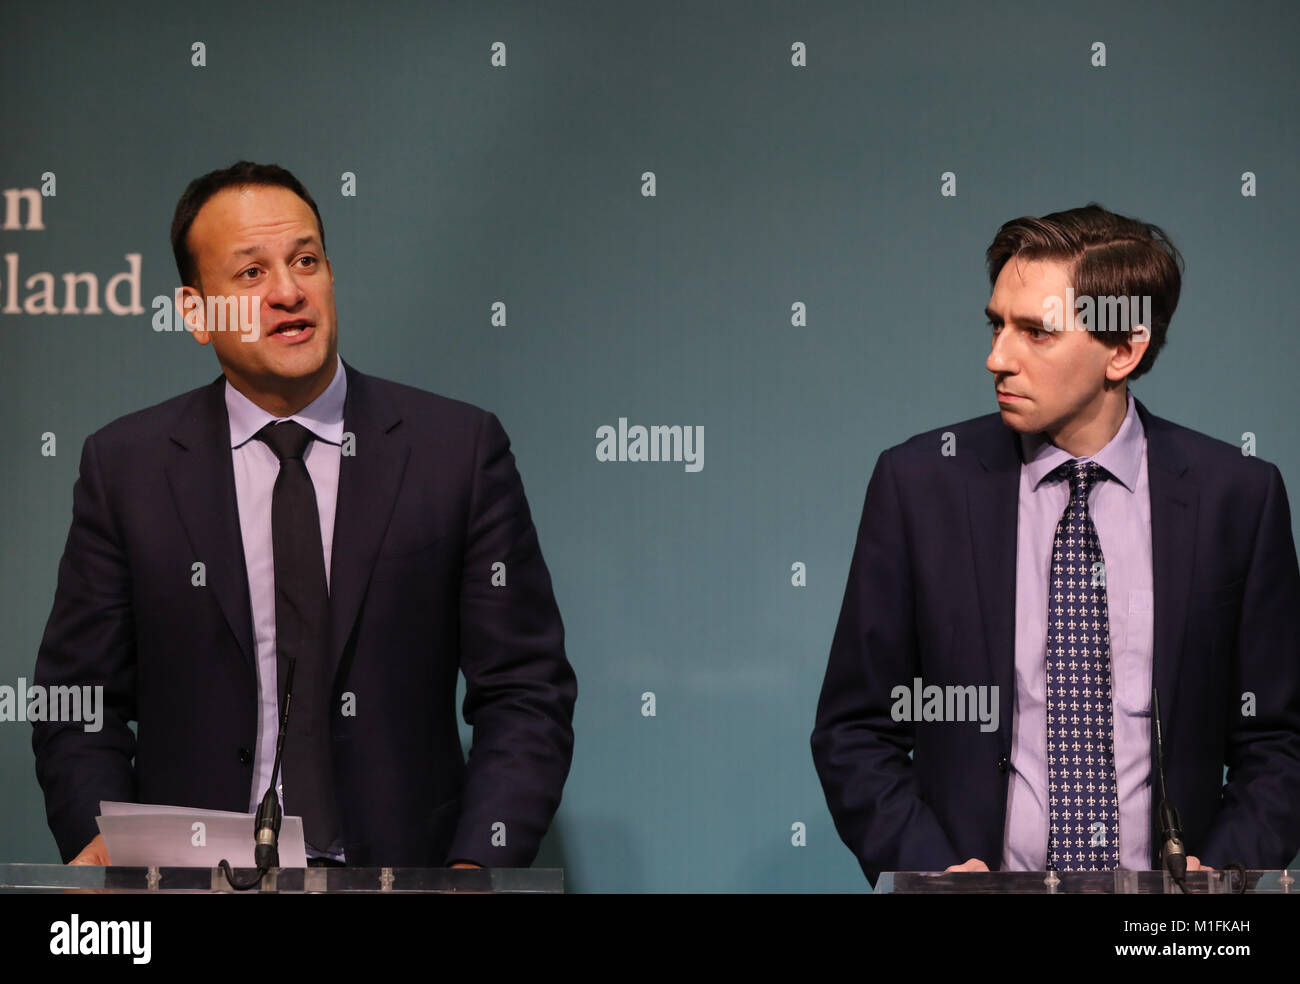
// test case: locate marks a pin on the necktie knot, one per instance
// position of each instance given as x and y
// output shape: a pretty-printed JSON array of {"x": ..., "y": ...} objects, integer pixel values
[
  {"x": 288, "y": 439},
  {"x": 1083, "y": 475}
]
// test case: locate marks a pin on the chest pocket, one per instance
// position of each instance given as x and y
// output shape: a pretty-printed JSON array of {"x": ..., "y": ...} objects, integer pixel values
[
  {"x": 407, "y": 561},
  {"x": 1131, "y": 667},
  {"x": 1224, "y": 596}
]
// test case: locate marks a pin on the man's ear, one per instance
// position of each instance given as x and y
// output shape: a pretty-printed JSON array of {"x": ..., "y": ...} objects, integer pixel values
[
  {"x": 1126, "y": 356},
  {"x": 189, "y": 308}
]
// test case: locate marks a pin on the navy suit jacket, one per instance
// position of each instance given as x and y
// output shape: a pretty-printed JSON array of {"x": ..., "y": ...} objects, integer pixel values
[
  {"x": 427, "y": 504},
  {"x": 931, "y": 594}
]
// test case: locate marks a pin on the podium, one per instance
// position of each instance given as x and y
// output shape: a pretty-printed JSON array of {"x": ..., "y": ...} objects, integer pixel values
[
  {"x": 1119, "y": 882},
  {"x": 56, "y": 878}
]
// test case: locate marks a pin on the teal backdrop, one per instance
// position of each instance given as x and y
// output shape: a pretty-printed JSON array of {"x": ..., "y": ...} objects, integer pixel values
[{"x": 775, "y": 184}]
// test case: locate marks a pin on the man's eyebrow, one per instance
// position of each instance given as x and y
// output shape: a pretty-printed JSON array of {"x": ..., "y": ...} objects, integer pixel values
[
  {"x": 1035, "y": 321},
  {"x": 252, "y": 250}
]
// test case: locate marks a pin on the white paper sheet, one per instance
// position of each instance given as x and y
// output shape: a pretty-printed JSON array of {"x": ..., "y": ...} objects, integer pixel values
[{"x": 140, "y": 834}]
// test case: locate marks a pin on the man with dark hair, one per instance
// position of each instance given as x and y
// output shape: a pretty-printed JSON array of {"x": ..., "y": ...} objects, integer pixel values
[
  {"x": 1021, "y": 581},
  {"x": 299, "y": 520},
  {"x": 242, "y": 173}
]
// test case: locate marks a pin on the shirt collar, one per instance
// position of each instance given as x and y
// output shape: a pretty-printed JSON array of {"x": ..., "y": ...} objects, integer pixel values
[
  {"x": 323, "y": 416},
  {"x": 1121, "y": 457}
]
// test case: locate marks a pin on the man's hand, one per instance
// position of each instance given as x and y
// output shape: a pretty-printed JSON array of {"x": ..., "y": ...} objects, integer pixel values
[
  {"x": 466, "y": 864},
  {"x": 93, "y": 853},
  {"x": 1194, "y": 864}
]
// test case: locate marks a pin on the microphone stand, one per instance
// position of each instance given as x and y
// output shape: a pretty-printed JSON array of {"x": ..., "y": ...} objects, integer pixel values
[
  {"x": 266, "y": 826},
  {"x": 1173, "y": 853}
]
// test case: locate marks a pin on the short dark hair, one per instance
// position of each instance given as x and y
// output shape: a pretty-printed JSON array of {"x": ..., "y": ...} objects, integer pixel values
[
  {"x": 1111, "y": 256},
  {"x": 239, "y": 175}
]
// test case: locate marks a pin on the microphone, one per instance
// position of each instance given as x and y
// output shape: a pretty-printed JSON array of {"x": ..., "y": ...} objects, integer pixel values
[
  {"x": 269, "y": 814},
  {"x": 266, "y": 825},
  {"x": 1173, "y": 853}
]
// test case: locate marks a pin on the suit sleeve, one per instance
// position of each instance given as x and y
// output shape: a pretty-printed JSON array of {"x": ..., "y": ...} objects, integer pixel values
[
  {"x": 861, "y": 753},
  {"x": 520, "y": 688},
  {"x": 1258, "y": 821},
  {"x": 89, "y": 641}
]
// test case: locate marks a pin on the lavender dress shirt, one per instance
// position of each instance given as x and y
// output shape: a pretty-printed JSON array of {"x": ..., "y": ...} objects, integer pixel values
[
  {"x": 256, "y": 468},
  {"x": 1121, "y": 511}
]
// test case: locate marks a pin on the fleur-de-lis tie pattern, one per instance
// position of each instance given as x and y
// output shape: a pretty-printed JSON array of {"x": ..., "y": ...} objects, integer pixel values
[{"x": 1080, "y": 736}]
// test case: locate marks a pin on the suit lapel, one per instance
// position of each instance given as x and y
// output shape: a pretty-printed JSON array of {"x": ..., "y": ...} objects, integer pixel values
[
  {"x": 1174, "y": 503},
  {"x": 1173, "y": 551},
  {"x": 201, "y": 478},
  {"x": 369, "y": 479},
  {"x": 992, "y": 499}
]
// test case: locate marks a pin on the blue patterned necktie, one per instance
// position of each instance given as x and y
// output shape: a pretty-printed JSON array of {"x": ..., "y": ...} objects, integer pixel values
[{"x": 1083, "y": 830}]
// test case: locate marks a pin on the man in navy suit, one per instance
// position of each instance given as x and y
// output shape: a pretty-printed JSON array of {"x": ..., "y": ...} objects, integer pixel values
[
  {"x": 956, "y": 590},
  {"x": 168, "y": 594}
]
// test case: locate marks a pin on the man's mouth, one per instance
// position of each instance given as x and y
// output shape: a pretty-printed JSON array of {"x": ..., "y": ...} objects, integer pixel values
[{"x": 291, "y": 329}]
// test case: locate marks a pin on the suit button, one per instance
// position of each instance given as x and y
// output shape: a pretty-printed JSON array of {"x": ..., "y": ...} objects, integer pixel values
[
  {"x": 245, "y": 756},
  {"x": 1002, "y": 763}
]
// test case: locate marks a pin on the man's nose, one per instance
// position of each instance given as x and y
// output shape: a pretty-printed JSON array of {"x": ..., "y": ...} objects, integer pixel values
[
  {"x": 283, "y": 288},
  {"x": 1000, "y": 358}
]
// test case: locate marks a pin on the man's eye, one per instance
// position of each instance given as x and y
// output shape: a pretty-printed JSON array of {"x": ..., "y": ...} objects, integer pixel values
[
  {"x": 248, "y": 271},
  {"x": 310, "y": 260}
]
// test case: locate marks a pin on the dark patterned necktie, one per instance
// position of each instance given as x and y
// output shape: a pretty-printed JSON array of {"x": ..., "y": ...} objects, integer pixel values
[
  {"x": 1084, "y": 808},
  {"x": 302, "y": 633}
]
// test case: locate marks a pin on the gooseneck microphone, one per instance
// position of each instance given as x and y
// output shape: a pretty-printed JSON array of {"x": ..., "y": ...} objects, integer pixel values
[
  {"x": 1173, "y": 853},
  {"x": 266, "y": 826}
]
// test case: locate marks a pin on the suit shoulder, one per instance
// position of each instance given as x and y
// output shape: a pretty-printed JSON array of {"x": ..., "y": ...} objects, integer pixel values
[
  {"x": 985, "y": 427},
  {"x": 416, "y": 402},
  {"x": 426, "y": 410},
  {"x": 139, "y": 426},
  {"x": 941, "y": 444},
  {"x": 1211, "y": 456}
]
